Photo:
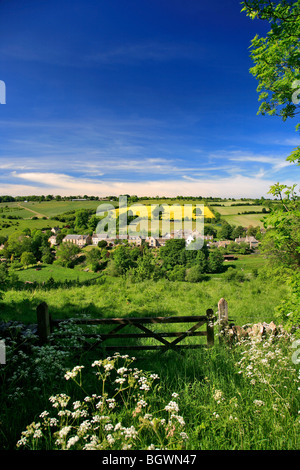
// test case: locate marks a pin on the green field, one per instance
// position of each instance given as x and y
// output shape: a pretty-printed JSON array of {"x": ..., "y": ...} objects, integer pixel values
[
  {"x": 37, "y": 215},
  {"x": 219, "y": 400},
  {"x": 58, "y": 273},
  {"x": 245, "y": 220},
  {"x": 53, "y": 208},
  {"x": 49, "y": 208},
  {"x": 251, "y": 301},
  {"x": 22, "y": 224},
  {"x": 233, "y": 215}
]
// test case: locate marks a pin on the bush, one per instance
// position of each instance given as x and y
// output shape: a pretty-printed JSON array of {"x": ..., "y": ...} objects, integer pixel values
[
  {"x": 102, "y": 244},
  {"x": 194, "y": 274},
  {"x": 288, "y": 311},
  {"x": 177, "y": 274},
  {"x": 233, "y": 275}
]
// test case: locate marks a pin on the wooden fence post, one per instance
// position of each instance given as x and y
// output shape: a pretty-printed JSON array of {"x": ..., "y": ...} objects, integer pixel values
[
  {"x": 222, "y": 318},
  {"x": 43, "y": 322},
  {"x": 210, "y": 327}
]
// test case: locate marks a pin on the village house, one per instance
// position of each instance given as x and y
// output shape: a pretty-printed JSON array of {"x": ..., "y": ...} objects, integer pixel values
[
  {"x": 152, "y": 241},
  {"x": 155, "y": 242},
  {"x": 98, "y": 237},
  {"x": 180, "y": 234},
  {"x": 135, "y": 239},
  {"x": 162, "y": 241},
  {"x": 186, "y": 234},
  {"x": 55, "y": 230},
  {"x": 248, "y": 239},
  {"x": 53, "y": 240},
  {"x": 79, "y": 240},
  {"x": 222, "y": 243},
  {"x": 122, "y": 237}
]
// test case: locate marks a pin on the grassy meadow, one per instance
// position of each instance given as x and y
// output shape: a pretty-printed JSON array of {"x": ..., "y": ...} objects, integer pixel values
[
  {"x": 233, "y": 214},
  {"x": 239, "y": 396},
  {"x": 249, "y": 301}
]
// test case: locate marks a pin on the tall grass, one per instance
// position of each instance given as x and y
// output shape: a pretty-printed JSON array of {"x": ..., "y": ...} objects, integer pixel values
[
  {"x": 245, "y": 396},
  {"x": 250, "y": 301},
  {"x": 239, "y": 398}
]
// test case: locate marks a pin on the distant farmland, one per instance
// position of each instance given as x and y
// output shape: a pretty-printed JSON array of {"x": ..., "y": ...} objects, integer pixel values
[
  {"x": 37, "y": 215},
  {"x": 234, "y": 214}
]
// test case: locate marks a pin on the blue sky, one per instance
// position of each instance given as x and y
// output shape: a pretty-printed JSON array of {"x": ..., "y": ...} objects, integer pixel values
[{"x": 146, "y": 97}]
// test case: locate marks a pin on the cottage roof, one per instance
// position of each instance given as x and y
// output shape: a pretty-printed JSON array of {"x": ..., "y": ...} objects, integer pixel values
[
  {"x": 100, "y": 235},
  {"x": 75, "y": 237}
]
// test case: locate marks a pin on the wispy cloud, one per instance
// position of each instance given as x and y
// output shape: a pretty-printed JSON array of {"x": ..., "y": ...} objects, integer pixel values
[
  {"x": 275, "y": 162},
  {"x": 104, "y": 54},
  {"x": 54, "y": 183},
  {"x": 130, "y": 53},
  {"x": 290, "y": 142}
]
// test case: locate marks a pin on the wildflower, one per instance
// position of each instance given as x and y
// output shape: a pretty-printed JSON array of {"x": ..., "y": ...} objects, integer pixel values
[
  {"x": 258, "y": 402},
  {"x": 179, "y": 419},
  {"x": 172, "y": 406},
  {"x": 53, "y": 422},
  {"x": 120, "y": 380},
  {"x": 142, "y": 403},
  {"x": 76, "y": 405},
  {"x": 64, "y": 413},
  {"x": 111, "y": 402},
  {"x": 59, "y": 400},
  {"x": 37, "y": 434},
  {"x": 64, "y": 431},
  {"x": 126, "y": 446},
  {"x": 108, "y": 427},
  {"x": 84, "y": 427},
  {"x": 130, "y": 433},
  {"x": 72, "y": 441},
  {"x": 22, "y": 441},
  {"x": 71, "y": 374},
  {"x": 218, "y": 395},
  {"x": 154, "y": 376},
  {"x": 110, "y": 439},
  {"x": 97, "y": 363}
]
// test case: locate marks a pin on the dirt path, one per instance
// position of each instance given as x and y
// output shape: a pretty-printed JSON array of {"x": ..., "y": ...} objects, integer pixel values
[{"x": 34, "y": 212}]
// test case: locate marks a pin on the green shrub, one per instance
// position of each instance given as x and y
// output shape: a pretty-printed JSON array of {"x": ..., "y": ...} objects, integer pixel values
[
  {"x": 234, "y": 275},
  {"x": 177, "y": 274},
  {"x": 194, "y": 274}
]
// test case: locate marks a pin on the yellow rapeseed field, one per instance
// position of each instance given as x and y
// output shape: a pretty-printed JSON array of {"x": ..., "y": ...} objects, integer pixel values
[{"x": 175, "y": 212}]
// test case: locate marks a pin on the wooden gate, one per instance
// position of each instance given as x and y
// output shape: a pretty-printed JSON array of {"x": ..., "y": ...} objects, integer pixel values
[{"x": 46, "y": 326}]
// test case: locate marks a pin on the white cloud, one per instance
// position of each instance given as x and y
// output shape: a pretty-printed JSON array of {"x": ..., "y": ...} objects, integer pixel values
[
  {"x": 276, "y": 163},
  {"x": 236, "y": 186}
]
